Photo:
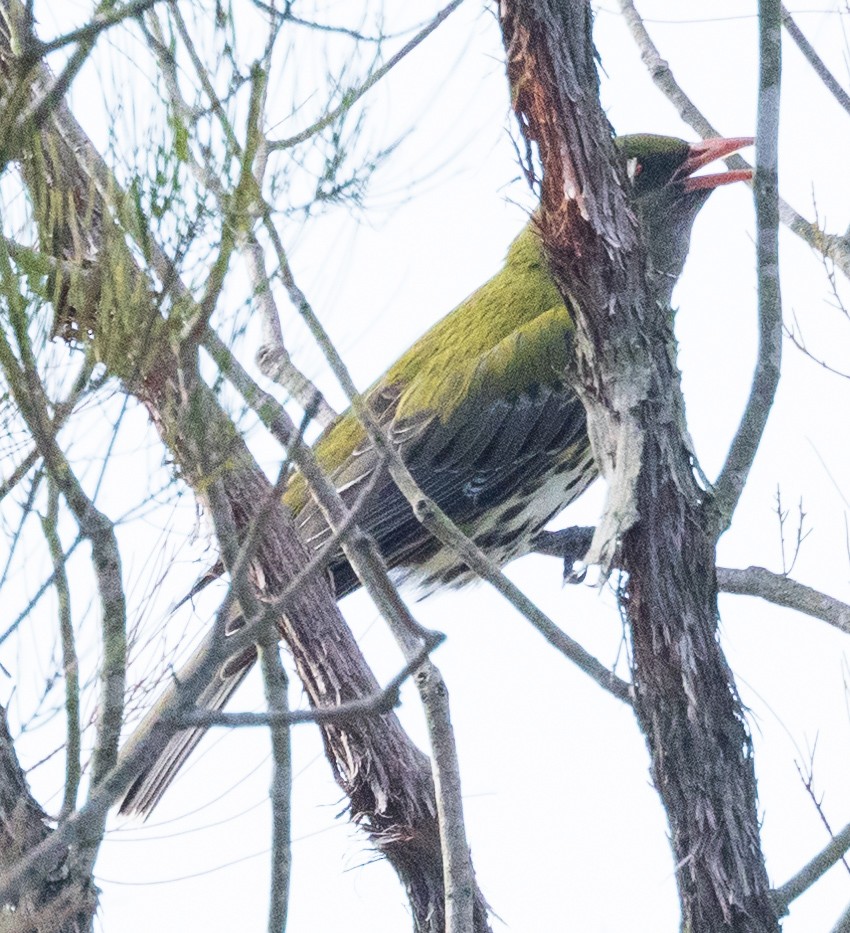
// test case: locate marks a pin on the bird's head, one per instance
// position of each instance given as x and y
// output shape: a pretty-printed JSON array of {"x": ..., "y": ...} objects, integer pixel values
[{"x": 667, "y": 194}]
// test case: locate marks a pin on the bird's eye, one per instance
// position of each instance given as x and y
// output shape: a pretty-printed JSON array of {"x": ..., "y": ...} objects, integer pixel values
[{"x": 633, "y": 169}]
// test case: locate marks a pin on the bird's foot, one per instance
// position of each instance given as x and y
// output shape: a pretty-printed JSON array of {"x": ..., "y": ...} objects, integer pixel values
[{"x": 570, "y": 544}]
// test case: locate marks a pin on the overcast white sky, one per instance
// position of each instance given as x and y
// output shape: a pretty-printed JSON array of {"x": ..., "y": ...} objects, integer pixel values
[{"x": 565, "y": 829}]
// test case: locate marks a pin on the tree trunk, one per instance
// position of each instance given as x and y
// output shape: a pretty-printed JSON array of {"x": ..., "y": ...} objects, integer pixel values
[{"x": 656, "y": 526}]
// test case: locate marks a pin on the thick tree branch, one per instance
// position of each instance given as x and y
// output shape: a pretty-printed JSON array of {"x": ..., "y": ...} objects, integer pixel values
[
  {"x": 61, "y": 901},
  {"x": 654, "y": 525}
]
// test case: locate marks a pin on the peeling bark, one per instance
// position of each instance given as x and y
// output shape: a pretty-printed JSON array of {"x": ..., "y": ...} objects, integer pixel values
[{"x": 656, "y": 523}]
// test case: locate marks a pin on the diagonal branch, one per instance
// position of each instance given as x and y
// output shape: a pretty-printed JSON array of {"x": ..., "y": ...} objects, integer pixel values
[
  {"x": 835, "y": 248},
  {"x": 814, "y": 869},
  {"x": 783, "y": 591},
  {"x": 817, "y": 63}
]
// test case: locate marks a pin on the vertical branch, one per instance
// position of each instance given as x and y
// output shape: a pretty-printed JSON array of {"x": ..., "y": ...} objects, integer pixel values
[
  {"x": 30, "y": 397},
  {"x": 276, "y": 685},
  {"x": 733, "y": 476},
  {"x": 69, "y": 653}
]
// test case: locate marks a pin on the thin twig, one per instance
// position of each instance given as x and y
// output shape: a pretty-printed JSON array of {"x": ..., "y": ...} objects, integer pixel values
[
  {"x": 61, "y": 412},
  {"x": 36, "y": 49},
  {"x": 275, "y": 363},
  {"x": 376, "y": 704},
  {"x": 45, "y": 586},
  {"x": 234, "y": 217},
  {"x": 808, "y": 780},
  {"x": 87, "y": 822},
  {"x": 353, "y": 95},
  {"x": 815, "y": 60}
]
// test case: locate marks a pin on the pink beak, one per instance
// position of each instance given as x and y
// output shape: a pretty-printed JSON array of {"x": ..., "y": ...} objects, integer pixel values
[{"x": 707, "y": 151}]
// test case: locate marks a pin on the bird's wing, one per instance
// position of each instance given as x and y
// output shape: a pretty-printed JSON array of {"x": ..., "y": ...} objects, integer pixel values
[{"x": 517, "y": 415}]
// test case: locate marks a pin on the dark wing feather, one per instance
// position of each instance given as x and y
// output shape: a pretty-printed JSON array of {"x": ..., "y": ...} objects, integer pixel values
[{"x": 476, "y": 459}]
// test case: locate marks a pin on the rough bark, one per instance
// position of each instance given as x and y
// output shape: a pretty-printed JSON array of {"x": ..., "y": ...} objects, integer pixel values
[
  {"x": 63, "y": 899},
  {"x": 656, "y": 524},
  {"x": 116, "y": 306}
]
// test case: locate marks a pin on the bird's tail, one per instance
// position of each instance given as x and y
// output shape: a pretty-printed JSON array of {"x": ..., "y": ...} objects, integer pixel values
[{"x": 147, "y": 789}]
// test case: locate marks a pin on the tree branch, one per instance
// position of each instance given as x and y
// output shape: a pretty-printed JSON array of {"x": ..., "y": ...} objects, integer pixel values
[
  {"x": 783, "y": 591},
  {"x": 815, "y": 61},
  {"x": 730, "y": 484},
  {"x": 654, "y": 524},
  {"x": 813, "y": 870},
  {"x": 276, "y": 685}
]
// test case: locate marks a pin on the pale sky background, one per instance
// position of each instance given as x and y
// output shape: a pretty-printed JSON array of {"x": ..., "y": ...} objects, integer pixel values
[{"x": 565, "y": 829}]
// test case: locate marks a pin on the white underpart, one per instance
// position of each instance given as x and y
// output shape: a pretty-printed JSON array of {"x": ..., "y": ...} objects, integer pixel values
[{"x": 554, "y": 493}]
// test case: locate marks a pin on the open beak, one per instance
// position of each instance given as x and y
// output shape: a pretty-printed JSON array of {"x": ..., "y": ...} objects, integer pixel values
[{"x": 707, "y": 151}]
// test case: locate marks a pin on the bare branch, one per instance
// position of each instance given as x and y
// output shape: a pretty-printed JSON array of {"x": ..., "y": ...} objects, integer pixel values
[
  {"x": 276, "y": 685},
  {"x": 272, "y": 357},
  {"x": 730, "y": 484},
  {"x": 780, "y": 590},
  {"x": 843, "y": 923},
  {"x": 36, "y": 49},
  {"x": 795, "y": 335},
  {"x": 382, "y": 701},
  {"x": 808, "y": 779},
  {"x": 69, "y": 653},
  {"x": 812, "y": 871},
  {"x": 815, "y": 60},
  {"x": 61, "y": 413},
  {"x": 67, "y": 902}
]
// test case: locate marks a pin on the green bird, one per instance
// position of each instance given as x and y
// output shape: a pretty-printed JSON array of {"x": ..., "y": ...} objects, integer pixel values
[{"x": 481, "y": 413}]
